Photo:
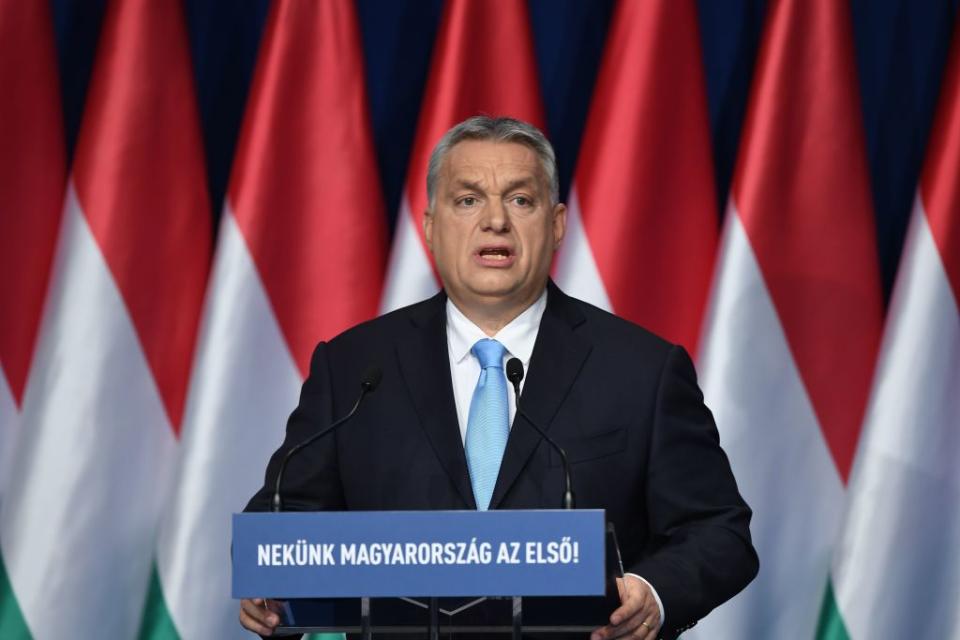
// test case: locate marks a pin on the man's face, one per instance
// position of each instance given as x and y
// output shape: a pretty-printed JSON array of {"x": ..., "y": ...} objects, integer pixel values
[{"x": 493, "y": 231}]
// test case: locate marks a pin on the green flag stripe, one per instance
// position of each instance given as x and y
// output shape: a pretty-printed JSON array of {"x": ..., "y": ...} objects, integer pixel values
[
  {"x": 831, "y": 625},
  {"x": 12, "y": 624},
  {"x": 157, "y": 623}
]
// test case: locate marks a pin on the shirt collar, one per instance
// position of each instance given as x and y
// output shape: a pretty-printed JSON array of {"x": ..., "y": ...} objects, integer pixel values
[{"x": 518, "y": 336}]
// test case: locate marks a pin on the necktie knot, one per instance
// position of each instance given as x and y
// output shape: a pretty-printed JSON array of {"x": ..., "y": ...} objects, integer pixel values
[{"x": 489, "y": 353}]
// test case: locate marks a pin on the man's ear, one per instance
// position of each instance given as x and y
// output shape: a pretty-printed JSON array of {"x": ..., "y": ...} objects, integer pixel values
[
  {"x": 559, "y": 224},
  {"x": 428, "y": 229}
]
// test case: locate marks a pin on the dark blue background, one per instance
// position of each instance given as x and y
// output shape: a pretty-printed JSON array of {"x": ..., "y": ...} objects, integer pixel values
[{"x": 900, "y": 48}]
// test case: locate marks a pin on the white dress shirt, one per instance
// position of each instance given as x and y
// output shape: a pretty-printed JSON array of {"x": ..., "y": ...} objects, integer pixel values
[{"x": 518, "y": 338}]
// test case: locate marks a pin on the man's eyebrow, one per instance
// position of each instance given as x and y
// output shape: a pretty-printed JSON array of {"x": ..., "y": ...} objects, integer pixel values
[
  {"x": 514, "y": 184},
  {"x": 468, "y": 184},
  {"x": 520, "y": 182}
]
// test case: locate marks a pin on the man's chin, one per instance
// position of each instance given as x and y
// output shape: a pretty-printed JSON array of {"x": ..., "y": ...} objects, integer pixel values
[
  {"x": 502, "y": 296},
  {"x": 494, "y": 289}
]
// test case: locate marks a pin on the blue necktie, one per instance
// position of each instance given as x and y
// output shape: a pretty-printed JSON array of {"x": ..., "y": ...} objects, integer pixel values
[{"x": 488, "y": 424}]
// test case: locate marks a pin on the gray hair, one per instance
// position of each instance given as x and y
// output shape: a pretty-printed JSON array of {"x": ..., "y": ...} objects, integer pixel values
[{"x": 497, "y": 130}]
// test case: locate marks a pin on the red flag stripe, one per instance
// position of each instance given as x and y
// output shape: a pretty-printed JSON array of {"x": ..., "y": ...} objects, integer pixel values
[
  {"x": 940, "y": 184},
  {"x": 645, "y": 178},
  {"x": 32, "y": 179},
  {"x": 802, "y": 190},
  {"x": 139, "y": 175},
  {"x": 483, "y": 62},
  {"x": 305, "y": 188}
]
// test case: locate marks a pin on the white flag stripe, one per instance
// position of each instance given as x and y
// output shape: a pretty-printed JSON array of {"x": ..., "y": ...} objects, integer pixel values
[
  {"x": 9, "y": 428},
  {"x": 245, "y": 383},
  {"x": 93, "y": 458},
  {"x": 778, "y": 454},
  {"x": 576, "y": 269},
  {"x": 898, "y": 561},
  {"x": 410, "y": 275}
]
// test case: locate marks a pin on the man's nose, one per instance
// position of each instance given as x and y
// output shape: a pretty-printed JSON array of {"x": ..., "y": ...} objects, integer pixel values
[{"x": 495, "y": 217}]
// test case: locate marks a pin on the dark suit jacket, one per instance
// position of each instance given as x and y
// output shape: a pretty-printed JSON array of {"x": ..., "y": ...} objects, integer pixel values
[{"x": 623, "y": 403}]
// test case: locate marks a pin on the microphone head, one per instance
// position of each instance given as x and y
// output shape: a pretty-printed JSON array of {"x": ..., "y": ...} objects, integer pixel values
[
  {"x": 514, "y": 370},
  {"x": 371, "y": 377}
]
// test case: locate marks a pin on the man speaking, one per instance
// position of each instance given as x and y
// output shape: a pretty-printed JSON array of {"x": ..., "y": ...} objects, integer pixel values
[{"x": 439, "y": 433}]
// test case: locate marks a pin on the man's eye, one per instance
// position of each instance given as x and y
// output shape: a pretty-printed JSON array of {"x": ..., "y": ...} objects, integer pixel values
[
  {"x": 522, "y": 201},
  {"x": 468, "y": 201}
]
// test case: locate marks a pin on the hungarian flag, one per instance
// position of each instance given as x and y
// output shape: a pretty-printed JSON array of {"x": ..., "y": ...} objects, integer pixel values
[
  {"x": 642, "y": 224},
  {"x": 103, "y": 404},
  {"x": 896, "y": 570},
  {"x": 483, "y": 63},
  {"x": 795, "y": 319},
  {"x": 300, "y": 258},
  {"x": 32, "y": 178}
]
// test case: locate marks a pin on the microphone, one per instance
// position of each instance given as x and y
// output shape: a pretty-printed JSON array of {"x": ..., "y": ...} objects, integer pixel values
[
  {"x": 368, "y": 383},
  {"x": 515, "y": 375}
]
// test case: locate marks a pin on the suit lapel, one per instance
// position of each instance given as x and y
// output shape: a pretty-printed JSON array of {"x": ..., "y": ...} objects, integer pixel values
[
  {"x": 557, "y": 358},
  {"x": 425, "y": 363}
]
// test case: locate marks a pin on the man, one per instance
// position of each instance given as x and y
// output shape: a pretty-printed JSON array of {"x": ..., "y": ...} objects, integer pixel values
[{"x": 623, "y": 403}]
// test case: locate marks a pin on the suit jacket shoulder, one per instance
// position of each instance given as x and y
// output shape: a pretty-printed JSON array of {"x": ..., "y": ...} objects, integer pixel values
[{"x": 608, "y": 330}]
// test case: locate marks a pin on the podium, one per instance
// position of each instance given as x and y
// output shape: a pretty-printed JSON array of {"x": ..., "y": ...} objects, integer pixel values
[{"x": 431, "y": 573}]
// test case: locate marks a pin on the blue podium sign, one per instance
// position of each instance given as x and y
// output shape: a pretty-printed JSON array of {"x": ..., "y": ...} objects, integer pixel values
[{"x": 328, "y": 554}]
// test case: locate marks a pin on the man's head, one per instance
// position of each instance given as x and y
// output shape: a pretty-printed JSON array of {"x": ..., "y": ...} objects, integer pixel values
[{"x": 493, "y": 220}]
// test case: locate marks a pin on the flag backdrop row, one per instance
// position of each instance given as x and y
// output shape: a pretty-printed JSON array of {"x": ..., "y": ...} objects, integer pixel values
[
  {"x": 642, "y": 220},
  {"x": 299, "y": 259},
  {"x": 795, "y": 317},
  {"x": 906, "y": 551},
  {"x": 153, "y": 339},
  {"x": 32, "y": 179},
  {"x": 103, "y": 404}
]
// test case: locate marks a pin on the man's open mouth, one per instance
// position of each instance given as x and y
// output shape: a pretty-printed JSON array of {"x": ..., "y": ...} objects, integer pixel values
[{"x": 495, "y": 253}]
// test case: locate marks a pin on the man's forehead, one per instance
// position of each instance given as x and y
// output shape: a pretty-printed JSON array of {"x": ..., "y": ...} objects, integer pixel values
[{"x": 478, "y": 159}]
